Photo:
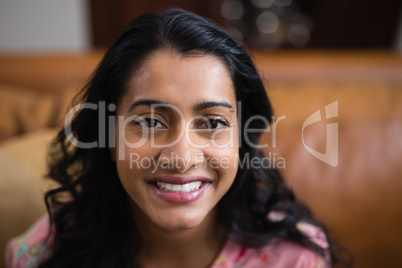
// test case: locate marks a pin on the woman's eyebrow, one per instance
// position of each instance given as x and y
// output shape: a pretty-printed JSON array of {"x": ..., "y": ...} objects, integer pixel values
[
  {"x": 208, "y": 104},
  {"x": 150, "y": 102},
  {"x": 166, "y": 106}
]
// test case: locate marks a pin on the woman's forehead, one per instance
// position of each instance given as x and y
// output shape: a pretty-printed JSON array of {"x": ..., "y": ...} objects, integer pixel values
[{"x": 176, "y": 79}]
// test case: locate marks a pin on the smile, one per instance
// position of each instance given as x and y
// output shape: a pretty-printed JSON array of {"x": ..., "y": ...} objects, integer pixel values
[{"x": 179, "y": 188}]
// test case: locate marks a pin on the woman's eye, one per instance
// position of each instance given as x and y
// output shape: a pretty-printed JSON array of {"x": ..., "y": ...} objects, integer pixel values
[
  {"x": 149, "y": 123},
  {"x": 214, "y": 124}
]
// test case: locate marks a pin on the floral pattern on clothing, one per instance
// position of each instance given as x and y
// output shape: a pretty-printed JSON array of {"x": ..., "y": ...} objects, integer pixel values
[
  {"x": 32, "y": 247},
  {"x": 278, "y": 253},
  {"x": 35, "y": 246}
]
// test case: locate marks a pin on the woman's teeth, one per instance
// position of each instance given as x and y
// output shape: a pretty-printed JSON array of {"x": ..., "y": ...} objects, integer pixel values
[{"x": 179, "y": 188}]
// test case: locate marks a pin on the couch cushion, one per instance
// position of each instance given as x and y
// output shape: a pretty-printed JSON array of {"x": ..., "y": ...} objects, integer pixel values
[
  {"x": 22, "y": 183},
  {"x": 359, "y": 198}
]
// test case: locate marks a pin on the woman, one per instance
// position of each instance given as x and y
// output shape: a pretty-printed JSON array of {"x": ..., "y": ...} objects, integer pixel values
[{"x": 150, "y": 163}]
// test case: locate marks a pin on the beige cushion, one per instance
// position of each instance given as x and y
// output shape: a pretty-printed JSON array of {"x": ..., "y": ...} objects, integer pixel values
[{"x": 22, "y": 183}]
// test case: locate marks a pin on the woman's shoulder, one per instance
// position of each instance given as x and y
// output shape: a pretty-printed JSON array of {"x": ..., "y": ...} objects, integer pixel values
[
  {"x": 32, "y": 247},
  {"x": 277, "y": 254}
]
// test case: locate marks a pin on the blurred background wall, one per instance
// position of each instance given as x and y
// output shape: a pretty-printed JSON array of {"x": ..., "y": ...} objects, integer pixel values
[
  {"x": 268, "y": 24},
  {"x": 44, "y": 25}
]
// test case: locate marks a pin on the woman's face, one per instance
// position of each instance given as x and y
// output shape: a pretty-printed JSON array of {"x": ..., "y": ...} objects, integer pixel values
[{"x": 177, "y": 138}]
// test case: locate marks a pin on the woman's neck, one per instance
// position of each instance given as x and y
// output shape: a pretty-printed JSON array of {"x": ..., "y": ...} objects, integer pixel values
[{"x": 197, "y": 247}]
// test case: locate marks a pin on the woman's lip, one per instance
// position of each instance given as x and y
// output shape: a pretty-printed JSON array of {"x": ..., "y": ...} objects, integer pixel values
[
  {"x": 178, "y": 180},
  {"x": 180, "y": 197}
]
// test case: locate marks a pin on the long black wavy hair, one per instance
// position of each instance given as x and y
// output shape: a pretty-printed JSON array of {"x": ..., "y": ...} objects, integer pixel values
[{"x": 94, "y": 222}]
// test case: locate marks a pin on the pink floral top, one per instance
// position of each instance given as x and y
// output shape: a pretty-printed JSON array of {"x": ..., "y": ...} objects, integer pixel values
[{"x": 32, "y": 248}]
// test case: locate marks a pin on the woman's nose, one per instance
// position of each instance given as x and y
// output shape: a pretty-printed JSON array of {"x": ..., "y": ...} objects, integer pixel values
[{"x": 183, "y": 154}]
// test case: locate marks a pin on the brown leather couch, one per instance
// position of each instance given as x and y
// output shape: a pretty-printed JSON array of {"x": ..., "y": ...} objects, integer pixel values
[{"x": 347, "y": 167}]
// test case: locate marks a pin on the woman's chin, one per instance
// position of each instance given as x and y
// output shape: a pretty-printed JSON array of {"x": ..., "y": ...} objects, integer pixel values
[{"x": 182, "y": 222}]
